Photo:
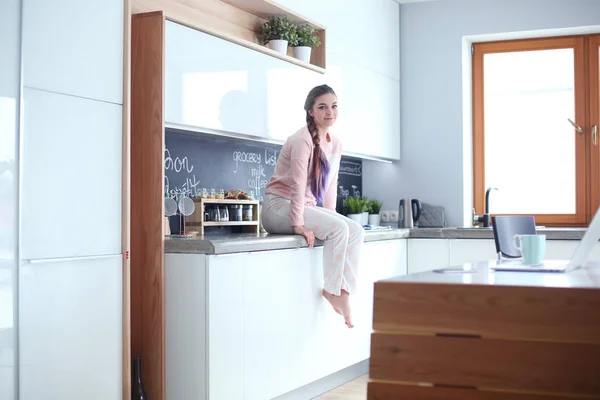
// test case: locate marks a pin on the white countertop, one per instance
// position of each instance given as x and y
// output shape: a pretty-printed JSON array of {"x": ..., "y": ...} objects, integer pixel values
[{"x": 587, "y": 277}]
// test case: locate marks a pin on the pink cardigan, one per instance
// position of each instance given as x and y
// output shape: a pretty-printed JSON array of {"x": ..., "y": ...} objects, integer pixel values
[{"x": 290, "y": 179}]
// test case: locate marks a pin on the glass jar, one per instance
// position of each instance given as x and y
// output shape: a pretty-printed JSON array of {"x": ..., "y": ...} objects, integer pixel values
[
  {"x": 215, "y": 215},
  {"x": 235, "y": 212},
  {"x": 224, "y": 213},
  {"x": 247, "y": 212}
]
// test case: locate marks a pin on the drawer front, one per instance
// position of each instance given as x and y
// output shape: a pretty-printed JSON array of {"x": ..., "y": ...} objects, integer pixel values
[
  {"x": 510, "y": 365},
  {"x": 554, "y": 314}
]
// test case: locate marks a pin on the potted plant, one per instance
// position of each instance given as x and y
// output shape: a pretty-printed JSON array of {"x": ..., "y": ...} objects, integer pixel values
[
  {"x": 303, "y": 40},
  {"x": 374, "y": 210},
  {"x": 353, "y": 208},
  {"x": 365, "y": 211},
  {"x": 277, "y": 32}
]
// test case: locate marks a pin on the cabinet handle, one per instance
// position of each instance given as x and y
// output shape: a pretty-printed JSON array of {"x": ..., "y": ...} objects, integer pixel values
[
  {"x": 595, "y": 135},
  {"x": 68, "y": 259},
  {"x": 273, "y": 251}
]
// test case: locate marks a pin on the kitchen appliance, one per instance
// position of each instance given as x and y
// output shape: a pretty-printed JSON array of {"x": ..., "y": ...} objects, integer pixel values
[
  {"x": 409, "y": 212},
  {"x": 432, "y": 216}
]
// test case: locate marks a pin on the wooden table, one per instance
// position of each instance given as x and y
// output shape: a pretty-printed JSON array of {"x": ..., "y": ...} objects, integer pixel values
[{"x": 487, "y": 335}]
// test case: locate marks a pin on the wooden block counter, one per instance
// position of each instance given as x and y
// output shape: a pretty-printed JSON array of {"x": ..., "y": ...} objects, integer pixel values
[{"x": 487, "y": 335}]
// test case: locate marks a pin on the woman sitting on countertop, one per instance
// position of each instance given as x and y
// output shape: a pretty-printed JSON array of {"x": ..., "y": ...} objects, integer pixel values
[{"x": 307, "y": 173}]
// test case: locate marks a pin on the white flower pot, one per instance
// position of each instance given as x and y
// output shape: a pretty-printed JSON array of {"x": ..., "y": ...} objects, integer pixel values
[
  {"x": 365, "y": 218},
  {"x": 356, "y": 218},
  {"x": 374, "y": 219},
  {"x": 302, "y": 53},
  {"x": 279, "y": 46}
]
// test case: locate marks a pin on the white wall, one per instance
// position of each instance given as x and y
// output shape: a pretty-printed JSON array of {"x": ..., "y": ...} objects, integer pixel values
[{"x": 434, "y": 148}]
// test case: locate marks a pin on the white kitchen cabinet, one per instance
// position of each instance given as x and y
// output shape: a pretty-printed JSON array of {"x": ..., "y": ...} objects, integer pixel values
[
  {"x": 248, "y": 314},
  {"x": 471, "y": 250},
  {"x": 186, "y": 302},
  {"x": 560, "y": 249},
  {"x": 204, "y": 353},
  {"x": 286, "y": 317},
  {"x": 220, "y": 85},
  {"x": 10, "y": 67},
  {"x": 368, "y": 31},
  {"x": 217, "y": 84},
  {"x": 70, "y": 329},
  {"x": 287, "y": 88},
  {"x": 564, "y": 249},
  {"x": 282, "y": 304},
  {"x": 71, "y": 176},
  {"x": 368, "y": 121},
  {"x": 226, "y": 326},
  {"x": 427, "y": 254},
  {"x": 74, "y": 47}
]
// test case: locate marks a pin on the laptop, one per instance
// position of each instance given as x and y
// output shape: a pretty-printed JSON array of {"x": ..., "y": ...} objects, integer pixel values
[{"x": 579, "y": 258}]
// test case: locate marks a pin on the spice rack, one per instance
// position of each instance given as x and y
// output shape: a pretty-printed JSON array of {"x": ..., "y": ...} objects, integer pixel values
[{"x": 196, "y": 220}]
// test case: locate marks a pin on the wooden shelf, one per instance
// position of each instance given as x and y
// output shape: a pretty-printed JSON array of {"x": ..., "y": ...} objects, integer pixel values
[
  {"x": 237, "y": 21},
  {"x": 224, "y": 201},
  {"x": 231, "y": 223},
  {"x": 196, "y": 220}
]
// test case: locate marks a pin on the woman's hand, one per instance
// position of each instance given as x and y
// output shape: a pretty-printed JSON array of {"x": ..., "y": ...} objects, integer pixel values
[{"x": 307, "y": 233}]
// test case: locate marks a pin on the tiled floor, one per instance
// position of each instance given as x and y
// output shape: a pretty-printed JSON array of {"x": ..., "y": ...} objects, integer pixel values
[{"x": 353, "y": 390}]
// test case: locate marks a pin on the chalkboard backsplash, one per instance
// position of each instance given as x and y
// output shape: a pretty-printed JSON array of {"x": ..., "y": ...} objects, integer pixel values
[{"x": 194, "y": 161}]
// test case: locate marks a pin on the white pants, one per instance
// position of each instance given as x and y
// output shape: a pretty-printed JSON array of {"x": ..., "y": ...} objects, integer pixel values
[{"x": 343, "y": 239}]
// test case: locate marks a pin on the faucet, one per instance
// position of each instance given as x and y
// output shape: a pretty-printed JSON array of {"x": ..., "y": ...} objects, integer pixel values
[{"x": 485, "y": 218}]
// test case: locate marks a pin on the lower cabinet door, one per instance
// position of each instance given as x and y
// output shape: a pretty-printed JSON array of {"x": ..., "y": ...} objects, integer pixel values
[
  {"x": 282, "y": 300},
  {"x": 427, "y": 254},
  {"x": 471, "y": 250},
  {"x": 70, "y": 329},
  {"x": 225, "y": 329}
]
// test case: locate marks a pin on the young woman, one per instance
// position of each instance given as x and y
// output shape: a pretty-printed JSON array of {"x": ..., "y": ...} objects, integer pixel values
[{"x": 306, "y": 174}]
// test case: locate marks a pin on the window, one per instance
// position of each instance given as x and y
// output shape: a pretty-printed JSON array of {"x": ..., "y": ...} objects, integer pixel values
[{"x": 535, "y": 128}]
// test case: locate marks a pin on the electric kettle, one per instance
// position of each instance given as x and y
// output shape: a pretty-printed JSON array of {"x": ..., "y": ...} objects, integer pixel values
[{"x": 409, "y": 212}]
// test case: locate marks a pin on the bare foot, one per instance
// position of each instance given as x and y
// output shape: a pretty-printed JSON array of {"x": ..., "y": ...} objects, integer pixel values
[
  {"x": 341, "y": 305},
  {"x": 327, "y": 296}
]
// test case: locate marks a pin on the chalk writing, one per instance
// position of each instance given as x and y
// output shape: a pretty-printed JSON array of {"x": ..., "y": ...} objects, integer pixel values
[
  {"x": 189, "y": 187},
  {"x": 177, "y": 164},
  {"x": 270, "y": 157},
  {"x": 244, "y": 157},
  {"x": 350, "y": 168},
  {"x": 258, "y": 177}
]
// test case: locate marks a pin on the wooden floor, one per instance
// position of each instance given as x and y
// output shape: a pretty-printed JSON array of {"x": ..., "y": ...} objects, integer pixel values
[{"x": 353, "y": 390}]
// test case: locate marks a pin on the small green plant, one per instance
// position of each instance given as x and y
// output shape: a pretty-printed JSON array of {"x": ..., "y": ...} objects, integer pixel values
[
  {"x": 304, "y": 35},
  {"x": 354, "y": 205},
  {"x": 374, "y": 206},
  {"x": 277, "y": 28}
]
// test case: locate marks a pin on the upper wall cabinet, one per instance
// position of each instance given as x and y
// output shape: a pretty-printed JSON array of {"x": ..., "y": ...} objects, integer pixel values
[
  {"x": 369, "y": 107},
  {"x": 74, "y": 47},
  {"x": 71, "y": 176},
  {"x": 216, "y": 84},
  {"x": 365, "y": 31}
]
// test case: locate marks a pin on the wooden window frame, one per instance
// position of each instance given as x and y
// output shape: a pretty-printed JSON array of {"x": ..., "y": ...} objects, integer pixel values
[
  {"x": 586, "y": 115},
  {"x": 594, "y": 119}
]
